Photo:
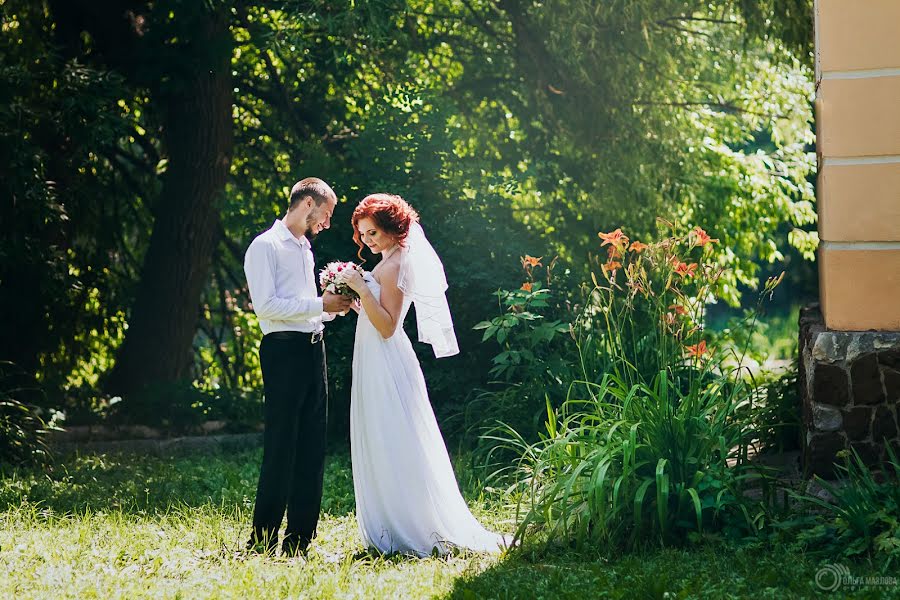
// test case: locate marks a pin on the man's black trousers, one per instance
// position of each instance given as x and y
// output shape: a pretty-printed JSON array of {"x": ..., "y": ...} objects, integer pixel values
[{"x": 294, "y": 383}]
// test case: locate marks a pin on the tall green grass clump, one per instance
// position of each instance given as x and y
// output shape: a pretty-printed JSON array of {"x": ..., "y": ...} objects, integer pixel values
[
  {"x": 859, "y": 515},
  {"x": 23, "y": 425},
  {"x": 651, "y": 445}
]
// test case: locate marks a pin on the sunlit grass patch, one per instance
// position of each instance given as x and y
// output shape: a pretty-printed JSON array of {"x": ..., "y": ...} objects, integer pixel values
[
  {"x": 127, "y": 526},
  {"x": 107, "y": 526}
]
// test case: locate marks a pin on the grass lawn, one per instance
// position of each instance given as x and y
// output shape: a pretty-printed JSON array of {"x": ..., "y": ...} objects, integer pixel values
[{"x": 107, "y": 526}]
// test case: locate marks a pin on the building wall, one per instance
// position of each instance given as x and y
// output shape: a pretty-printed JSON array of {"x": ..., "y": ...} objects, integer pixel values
[{"x": 858, "y": 146}]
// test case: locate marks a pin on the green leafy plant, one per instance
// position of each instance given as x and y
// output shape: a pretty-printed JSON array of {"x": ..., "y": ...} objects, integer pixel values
[
  {"x": 526, "y": 336},
  {"x": 23, "y": 429},
  {"x": 776, "y": 411},
  {"x": 651, "y": 444},
  {"x": 629, "y": 466},
  {"x": 862, "y": 517},
  {"x": 533, "y": 334}
]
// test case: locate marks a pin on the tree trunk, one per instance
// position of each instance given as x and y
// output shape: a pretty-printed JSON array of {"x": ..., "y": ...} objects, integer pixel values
[{"x": 198, "y": 140}]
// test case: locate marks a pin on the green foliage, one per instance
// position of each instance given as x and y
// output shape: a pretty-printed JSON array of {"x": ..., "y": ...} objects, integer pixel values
[
  {"x": 534, "y": 359},
  {"x": 651, "y": 443},
  {"x": 526, "y": 337},
  {"x": 638, "y": 108},
  {"x": 776, "y": 411},
  {"x": 188, "y": 406},
  {"x": 642, "y": 465},
  {"x": 860, "y": 518},
  {"x": 65, "y": 245},
  {"x": 227, "y": 345},
  {"x": 773, "y": 337},
  {"x": 510, "y": 127},
  {"x": 22, "y": 426}
]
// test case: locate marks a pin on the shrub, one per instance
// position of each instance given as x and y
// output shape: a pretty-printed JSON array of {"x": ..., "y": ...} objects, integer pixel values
[
  {"x": 525, "y": 335},
  {"x": 776, "y": 411},
  {"x": 651, "y": 443},
  {"x": 22, "y": 427},
  {"x": 182, "y": 407},
  {"x": 627, "y": 466},
  {"x": 532, "y": 367}
]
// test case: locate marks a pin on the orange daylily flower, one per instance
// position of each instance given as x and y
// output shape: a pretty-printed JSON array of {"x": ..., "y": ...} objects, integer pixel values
[
  {"x": 613, "y": 252},
  {"x": 701, "y": 238},
  {"x": 697, "y": 350},
  {"x": 639, "y": 247},
  {"x": 609, "y": 268},
  {"x": 685, "y": 270},
  {"x": 679, "y": 309},
  {"x": 531, "y": 261},
  {"x": 616, "y": 238},
  {"x": 526, "y": 286}
]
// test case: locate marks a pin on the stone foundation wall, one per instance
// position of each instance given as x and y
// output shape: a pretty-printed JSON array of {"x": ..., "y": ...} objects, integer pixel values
[{"x": 850, "y": 390}]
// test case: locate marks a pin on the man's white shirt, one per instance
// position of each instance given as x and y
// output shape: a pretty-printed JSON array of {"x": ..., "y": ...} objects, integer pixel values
[{"x": 279, "y": 270}]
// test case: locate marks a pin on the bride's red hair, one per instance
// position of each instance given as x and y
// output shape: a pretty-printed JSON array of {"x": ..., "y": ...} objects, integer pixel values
[{"x": 390, "y": 213}]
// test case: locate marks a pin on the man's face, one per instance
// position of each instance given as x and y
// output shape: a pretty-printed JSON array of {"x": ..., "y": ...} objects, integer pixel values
[{"x": 320, "y": 217}]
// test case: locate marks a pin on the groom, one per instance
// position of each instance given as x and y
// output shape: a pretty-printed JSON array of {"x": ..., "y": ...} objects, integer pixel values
[{"x": 279, "y": 269}]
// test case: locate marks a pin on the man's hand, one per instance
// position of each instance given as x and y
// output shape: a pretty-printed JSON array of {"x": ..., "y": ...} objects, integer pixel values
[{"x": 335, "y": 303}]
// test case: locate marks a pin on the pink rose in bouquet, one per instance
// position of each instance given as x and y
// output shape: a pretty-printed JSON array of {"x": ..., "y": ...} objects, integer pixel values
[{"x": 332, "y": 278}]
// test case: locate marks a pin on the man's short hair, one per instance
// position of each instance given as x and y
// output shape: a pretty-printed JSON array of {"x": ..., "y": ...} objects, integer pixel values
[{"x": 313, "y": 187}]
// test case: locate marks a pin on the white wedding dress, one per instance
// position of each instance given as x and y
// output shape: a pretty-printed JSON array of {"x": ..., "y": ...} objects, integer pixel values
[{"x": 407, "y": 498}]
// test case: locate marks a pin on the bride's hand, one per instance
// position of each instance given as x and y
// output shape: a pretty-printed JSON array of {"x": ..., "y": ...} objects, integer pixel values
[{"x": 355, "y": 281}]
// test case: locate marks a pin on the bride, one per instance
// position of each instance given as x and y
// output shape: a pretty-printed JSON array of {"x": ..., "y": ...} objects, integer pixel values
[{"x": 407, "y": 498}]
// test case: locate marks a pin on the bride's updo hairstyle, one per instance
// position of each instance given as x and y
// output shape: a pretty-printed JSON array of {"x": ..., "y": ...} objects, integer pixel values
[{"x": 390, "y": 213}]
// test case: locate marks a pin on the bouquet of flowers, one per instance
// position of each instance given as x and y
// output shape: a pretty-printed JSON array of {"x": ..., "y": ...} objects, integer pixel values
[{"x": 333, "y": 278}]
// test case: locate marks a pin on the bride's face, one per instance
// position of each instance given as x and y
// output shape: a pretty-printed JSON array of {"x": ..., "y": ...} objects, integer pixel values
[{"x": 373, "y": 237}]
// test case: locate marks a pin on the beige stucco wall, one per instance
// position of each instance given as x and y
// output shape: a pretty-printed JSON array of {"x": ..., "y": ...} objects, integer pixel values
[
  {"x": 857, "y": 34},
  {"x": 840, "y": 189},
  {"x": 858, "y": 142}
]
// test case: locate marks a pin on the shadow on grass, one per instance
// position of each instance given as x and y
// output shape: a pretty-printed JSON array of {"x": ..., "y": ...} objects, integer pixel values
[
  {"x": 136, "y": 484},
  {"x": 714, "y": 571},
  {"x": 370, "y": 555}
]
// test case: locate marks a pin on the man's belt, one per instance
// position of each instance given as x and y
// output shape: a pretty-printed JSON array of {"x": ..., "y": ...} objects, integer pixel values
[{"x": 314, "y": 338}]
